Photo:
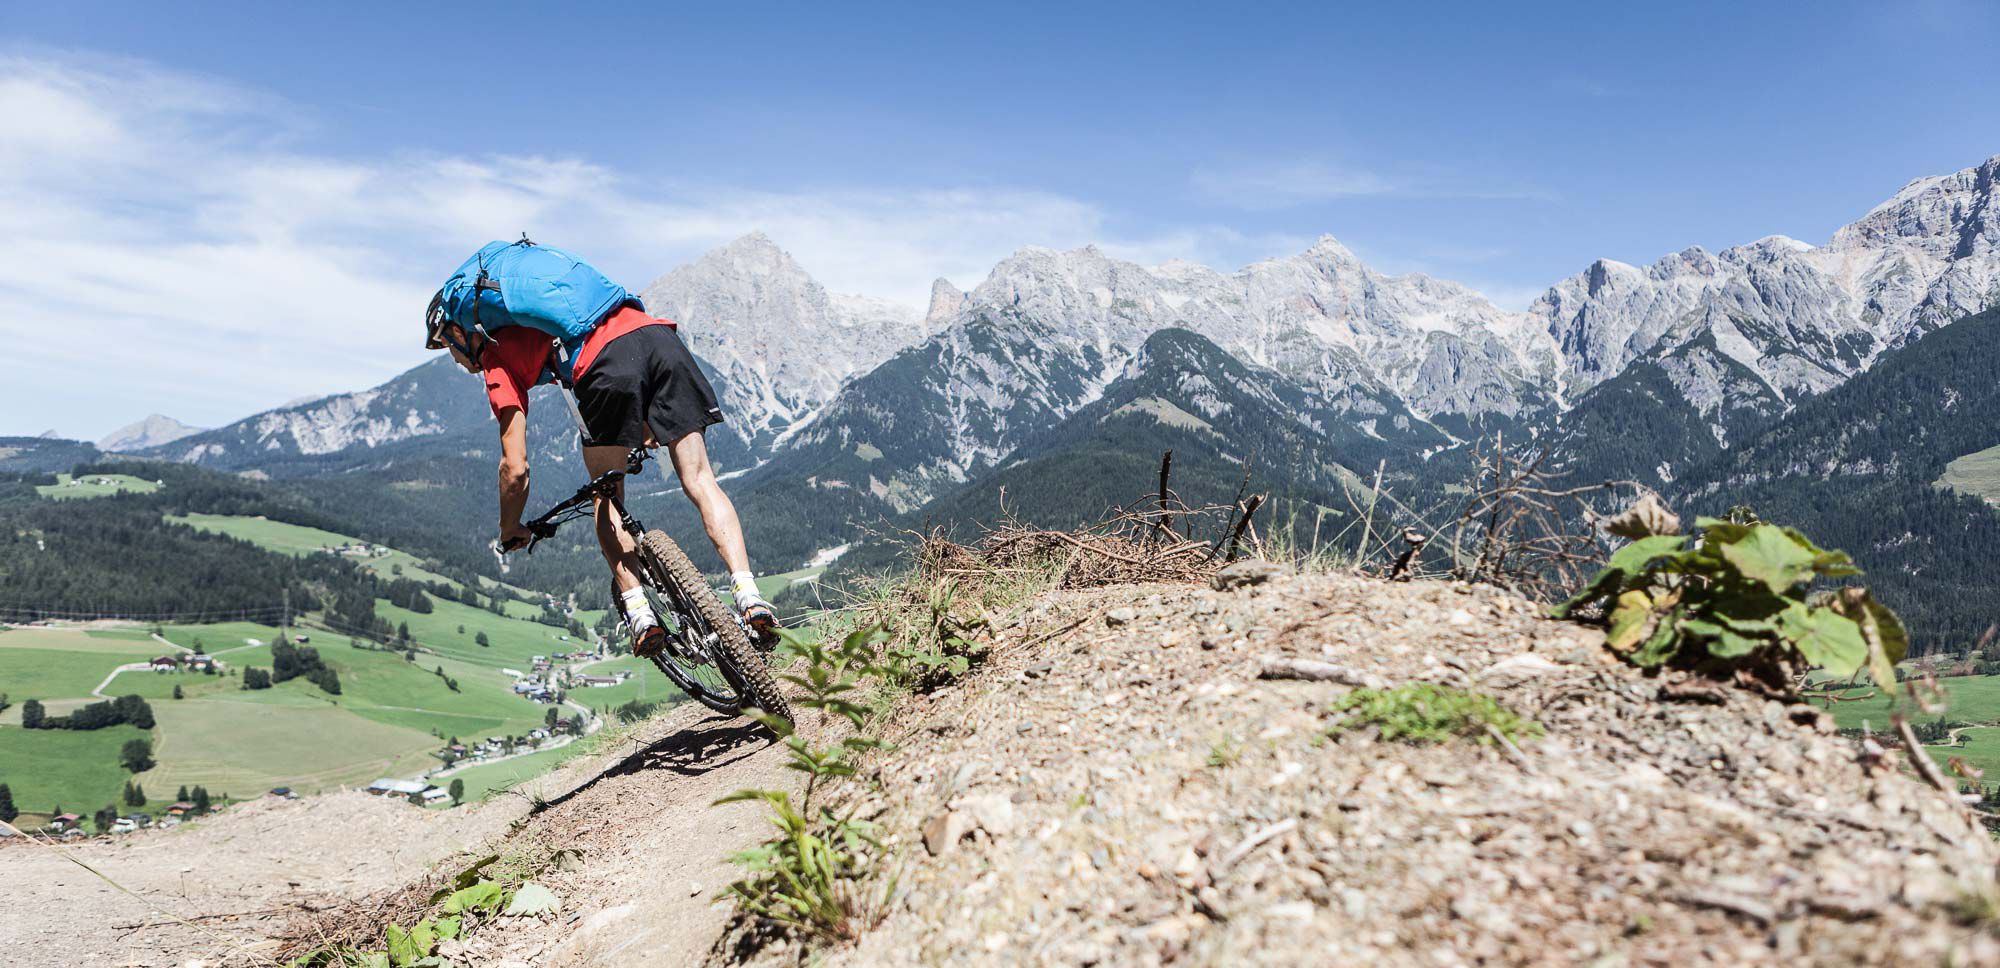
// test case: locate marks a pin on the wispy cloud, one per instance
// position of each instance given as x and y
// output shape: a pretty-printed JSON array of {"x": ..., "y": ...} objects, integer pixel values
[
  {"x": 1288, "y": 184},
  {"x": 188, "y": 256}
]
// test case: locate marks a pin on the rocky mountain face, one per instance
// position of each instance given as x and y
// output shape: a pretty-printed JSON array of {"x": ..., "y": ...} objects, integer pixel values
[
  {"x": 1800, "y": 319},
  {"x": 150, "y": 432},
  {"x": 780, "y": 344}
]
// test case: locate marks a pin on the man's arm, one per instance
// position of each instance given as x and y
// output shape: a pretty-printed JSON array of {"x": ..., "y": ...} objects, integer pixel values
[{"x": 513, "y": 472}]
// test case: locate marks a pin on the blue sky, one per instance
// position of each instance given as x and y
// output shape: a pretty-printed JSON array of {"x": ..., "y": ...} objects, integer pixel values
[{"x": 265, "y": 193}]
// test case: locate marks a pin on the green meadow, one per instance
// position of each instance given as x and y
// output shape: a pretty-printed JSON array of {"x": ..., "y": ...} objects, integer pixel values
[{"x": 95, "y": 485}]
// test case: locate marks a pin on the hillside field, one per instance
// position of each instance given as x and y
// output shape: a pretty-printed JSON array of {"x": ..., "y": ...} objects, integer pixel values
[
  {"x": 95, "y": 485},
  {"x": 1976, "y": 474}
]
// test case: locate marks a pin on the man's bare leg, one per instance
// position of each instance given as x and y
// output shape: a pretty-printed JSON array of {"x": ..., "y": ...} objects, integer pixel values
[
  {"x": 620, "y": 551},
  {"x": 718, "y": 515}
]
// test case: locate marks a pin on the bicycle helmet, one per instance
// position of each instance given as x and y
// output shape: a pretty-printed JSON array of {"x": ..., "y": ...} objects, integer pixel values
[{"x": 439, "y": 332}]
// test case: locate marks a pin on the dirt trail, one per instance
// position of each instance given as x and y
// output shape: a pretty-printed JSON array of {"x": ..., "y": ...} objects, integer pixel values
[
  {"x": 241, "y": 873},
  {"x": 638, "y": 812}
]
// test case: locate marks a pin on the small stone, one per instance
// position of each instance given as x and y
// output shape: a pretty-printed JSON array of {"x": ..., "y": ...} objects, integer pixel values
[
  {"x": 1244, "y": 574},
  {"x": 943, "y": 831},
  {"x": 1120, "y": 616},
  {"x": 993, "y": 812}
]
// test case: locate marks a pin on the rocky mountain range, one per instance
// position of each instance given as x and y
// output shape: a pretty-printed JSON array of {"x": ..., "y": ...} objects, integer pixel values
[{"x": 845, "y": 410}]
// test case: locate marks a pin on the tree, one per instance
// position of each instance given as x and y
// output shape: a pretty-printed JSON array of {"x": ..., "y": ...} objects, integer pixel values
[
  {"x": 403, "y": 632},
  {"x": 255, "y": 678},
  {"x": 135, "y": 795},
  {"x": 417, "y": 797},
  {"x": 550, "y": 719},
  {"x": 32, "y": 716},
  {"x": 7, "y": 811},
  {"x": 177, "y": 691},
  {"x": 481, "y": 639},
  {"x": 137, "y": 755},
  {"x": 201, "y": 801},
  {"x": 461, "y": 630},
  {"x": 457, "y": 791},
  {"x": 181, "y": 796},
  {"x": 104, "y": 818},
  {"x": 133, "y": 710},
  {"x": 199, "y": 649}
]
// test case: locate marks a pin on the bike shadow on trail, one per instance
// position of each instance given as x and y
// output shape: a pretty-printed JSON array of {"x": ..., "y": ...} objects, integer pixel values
[{"x": 699, "y": 748}]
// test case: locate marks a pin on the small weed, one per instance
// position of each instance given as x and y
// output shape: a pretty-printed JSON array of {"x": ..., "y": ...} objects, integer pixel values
[
  {"x": 812, "y": 878},
  {"x": 1227, "y": 751},
  {"x": 470, "y": 899},
  {"x": 1426, "y": 713}
]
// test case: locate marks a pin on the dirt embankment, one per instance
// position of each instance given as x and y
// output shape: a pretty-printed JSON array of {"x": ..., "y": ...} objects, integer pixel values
[
  {"x": 1134, "y": 793},
  {"x": 1117, "y": 785}
]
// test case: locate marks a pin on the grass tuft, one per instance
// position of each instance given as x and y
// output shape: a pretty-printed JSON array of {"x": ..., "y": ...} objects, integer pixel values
[{"x": 1426, "y": 713}]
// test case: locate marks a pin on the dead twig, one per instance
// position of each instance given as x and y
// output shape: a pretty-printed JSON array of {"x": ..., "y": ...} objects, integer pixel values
[
  {"x": 1925, "y": 766},
  {"x": 1286, "y": 667}
]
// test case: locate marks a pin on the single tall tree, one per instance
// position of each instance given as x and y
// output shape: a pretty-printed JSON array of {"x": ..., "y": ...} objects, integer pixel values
[
  {"x": 31, "y": 714},
  {"x": 457, "y": 791},
  {"x": 7, "y": 811},
  {"x": 201, "y": 801},
  {"x": 137, "y": 755}
]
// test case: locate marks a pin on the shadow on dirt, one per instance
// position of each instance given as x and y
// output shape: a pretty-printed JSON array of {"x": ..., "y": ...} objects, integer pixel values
[{"x": 701, "y": 747}]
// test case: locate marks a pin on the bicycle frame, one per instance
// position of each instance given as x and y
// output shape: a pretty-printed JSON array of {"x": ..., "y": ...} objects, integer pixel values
[{"x": 603, "y": 487}]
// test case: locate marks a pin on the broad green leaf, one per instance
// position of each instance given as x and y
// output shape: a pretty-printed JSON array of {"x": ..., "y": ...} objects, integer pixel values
[
  {"x": 1730, "y": 644},
  {"x": 466, "y": 878},
  {"x": 483, "y": 896},
  {"x": 1660, "y": 647},
  {"x": 1719, "y": 532},
  {"x": 1628, "y": 621},
  {"x": 407, "y": 947},
  {"x": 1832, "y": 642},
  {"x": 1633, "y": 558},
  {"x": 445, "y": 928},
  {"x": 532, "y": 899},
  {"x": 1767, "y": 556}
]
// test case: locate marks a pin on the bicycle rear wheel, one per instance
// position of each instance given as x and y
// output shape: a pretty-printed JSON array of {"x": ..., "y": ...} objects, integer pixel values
[{"x": 711, "y": 659}]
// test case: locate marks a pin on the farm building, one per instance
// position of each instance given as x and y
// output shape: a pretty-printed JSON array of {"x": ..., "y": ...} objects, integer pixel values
[{"x": 388, "y": 786}]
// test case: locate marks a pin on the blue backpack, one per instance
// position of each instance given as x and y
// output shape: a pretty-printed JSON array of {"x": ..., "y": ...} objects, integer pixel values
[{"x": 524, "y": 284}]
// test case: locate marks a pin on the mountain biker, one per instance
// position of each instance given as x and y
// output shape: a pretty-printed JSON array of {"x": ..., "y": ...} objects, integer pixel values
[{"x": 636, "y": 385}]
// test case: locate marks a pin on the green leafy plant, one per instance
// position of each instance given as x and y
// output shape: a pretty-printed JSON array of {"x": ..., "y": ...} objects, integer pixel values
[
  {"x": 1423, "y": 712},
  {"x": 1738, "y": 597},
  {"x": 470, "y": 898},
  {"x": 812, "y": 877}
]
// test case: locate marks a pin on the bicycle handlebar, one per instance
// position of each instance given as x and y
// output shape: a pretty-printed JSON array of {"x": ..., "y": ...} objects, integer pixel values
[{"x": 604, "y": 485}]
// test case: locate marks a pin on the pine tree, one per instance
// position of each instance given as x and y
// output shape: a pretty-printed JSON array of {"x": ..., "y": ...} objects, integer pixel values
[
  {"x": 177, "y": 691},
  {"x": 457, "y": 791},
  {"x": 135, "y": 796},
  {"x": 7, "y": 811},
  {"x": 201, "y": 801},
  {"x": 32, "y": 716},
  {"x": 104, "y": 818},
  {"x": 181, "y": 796}
]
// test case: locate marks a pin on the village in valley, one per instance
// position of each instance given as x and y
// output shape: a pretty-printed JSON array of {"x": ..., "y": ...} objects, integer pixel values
[{"x": 471, "y": 691}]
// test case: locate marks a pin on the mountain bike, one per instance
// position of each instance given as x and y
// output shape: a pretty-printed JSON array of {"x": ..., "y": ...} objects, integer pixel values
[{"x": 707, "y": 653}]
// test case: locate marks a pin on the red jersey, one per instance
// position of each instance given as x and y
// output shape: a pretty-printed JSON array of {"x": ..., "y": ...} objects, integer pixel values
[{"x": 519, "y": 356}]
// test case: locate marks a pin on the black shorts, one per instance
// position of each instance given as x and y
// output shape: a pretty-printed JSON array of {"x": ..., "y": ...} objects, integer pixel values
[{"x": 645, "y": 379}]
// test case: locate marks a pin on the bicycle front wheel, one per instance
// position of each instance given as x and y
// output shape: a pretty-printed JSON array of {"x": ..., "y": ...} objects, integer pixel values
[{"x": 714, "y": 662}]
